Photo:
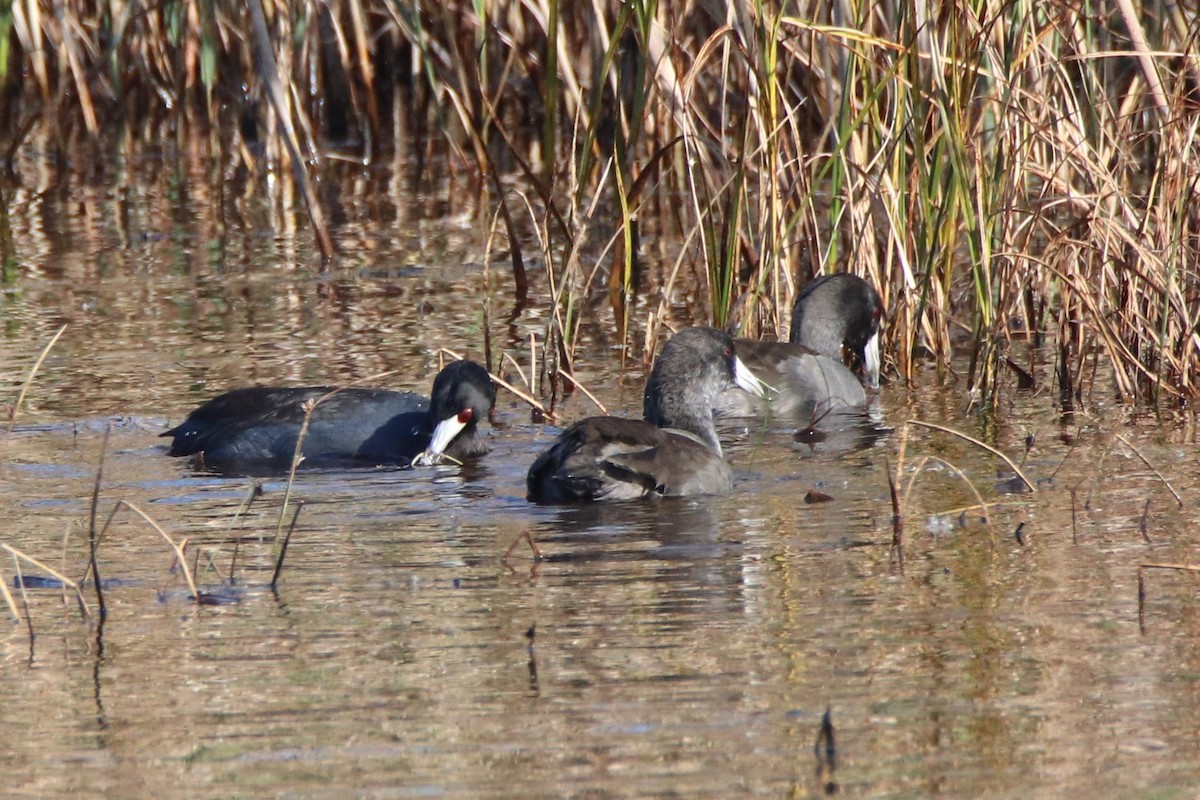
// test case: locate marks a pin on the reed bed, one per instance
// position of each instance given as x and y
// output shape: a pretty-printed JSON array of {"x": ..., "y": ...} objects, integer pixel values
[{"x": 1005, "y": 172}]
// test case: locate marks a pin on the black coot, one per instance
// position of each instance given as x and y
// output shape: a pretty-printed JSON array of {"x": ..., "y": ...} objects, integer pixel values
[{"x": 262, "y": 424}]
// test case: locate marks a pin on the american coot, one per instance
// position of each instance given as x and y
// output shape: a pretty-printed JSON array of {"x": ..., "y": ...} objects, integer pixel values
[
  {"x": 807, "y": 374},
  {"x": 673, "y": 451},
  {"x": 262, "y": 424}
]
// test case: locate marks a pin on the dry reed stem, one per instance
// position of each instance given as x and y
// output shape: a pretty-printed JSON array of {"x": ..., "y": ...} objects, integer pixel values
[
  {"x": 520, "y": 370},
  {"x": 506, "y": 385},
  {"x": 83, "y": 605},
  {"x": 934, "y": 161},
  {"x": 1152, "y": 468},
  {"x": 897, "y": 517},
  {"x": 977, "y": 443},
  {"x": 180, "y": 557},
  {"x": 1178, "y": 567},
  {"x": 583, "y": 389},
  {"x": 93, "y": 534},
  {"x": 269, "y": 72},
  {"x": 1137, "y": 37},
  {"x": 297, "y": 454},
  {"x": 283, "y": 548},
  {"x": 62, "y": 558},
  {"x": 8, "y": 598},
  {"x": 524, "y": 536},
  {"x": 980, "y": 502},
  {"x": 253, "y": 493},
  {"x": 12, "y": 417},
  {"x": 25, "y": 601}
]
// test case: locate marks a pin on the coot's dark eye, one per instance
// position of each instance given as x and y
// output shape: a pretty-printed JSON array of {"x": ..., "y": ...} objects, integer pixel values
[{"x": 728, "y": 351}]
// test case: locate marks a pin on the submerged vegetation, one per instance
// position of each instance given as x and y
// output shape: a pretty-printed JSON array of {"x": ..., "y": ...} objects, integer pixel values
[{"x": 1000, "y": 170}]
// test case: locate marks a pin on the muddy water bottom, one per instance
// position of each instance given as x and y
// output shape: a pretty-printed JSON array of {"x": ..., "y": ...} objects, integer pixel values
[{"x": 677, "y": 648}]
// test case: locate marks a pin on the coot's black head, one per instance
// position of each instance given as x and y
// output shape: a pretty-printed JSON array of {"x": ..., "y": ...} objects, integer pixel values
[
  {"x": 836, "y": 311},
  {"x": 463, "y": 387},
  {"x": 463, "y": 394}
]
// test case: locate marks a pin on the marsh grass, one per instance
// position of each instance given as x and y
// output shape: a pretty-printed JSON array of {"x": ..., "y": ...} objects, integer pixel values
[{"x": 1019, "y": 173}]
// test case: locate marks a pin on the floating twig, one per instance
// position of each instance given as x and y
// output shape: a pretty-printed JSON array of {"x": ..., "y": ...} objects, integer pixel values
[
  {"x": 980, "y": 503},
  {"x": 1178, "y": 567}
]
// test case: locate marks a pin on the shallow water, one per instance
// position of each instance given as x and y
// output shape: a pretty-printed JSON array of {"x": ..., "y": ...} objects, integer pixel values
[{"x": 669, "y": 649}]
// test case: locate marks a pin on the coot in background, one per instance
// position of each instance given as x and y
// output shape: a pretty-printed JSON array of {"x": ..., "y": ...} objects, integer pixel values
[{"x": 807, "y": 374}]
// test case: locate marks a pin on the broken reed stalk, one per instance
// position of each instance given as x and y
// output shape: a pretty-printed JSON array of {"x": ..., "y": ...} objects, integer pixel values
[
  {"x": 1074, "y": 524},
  {"x": 256, "y": 490},
  {"x": 1144, "y": 523},
  {"x": 825, "y": 750},
  {"x": 12, "y": 415},
  {"x": 1141, "y": 600},
  {"x": 284, "y": 547},
  {"x": 977, "y": 443}
]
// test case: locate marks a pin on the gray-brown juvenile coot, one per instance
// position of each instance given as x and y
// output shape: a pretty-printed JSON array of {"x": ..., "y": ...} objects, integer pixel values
[
  {"x": 807, "y": 374},
  {"x": 262, "y": 424},
  {"x": 674, "y": 451}
]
